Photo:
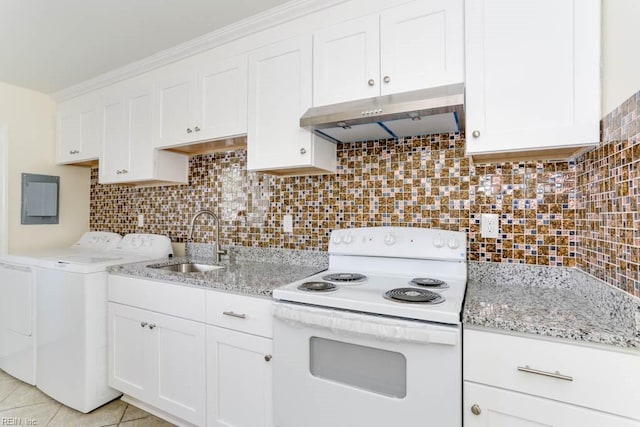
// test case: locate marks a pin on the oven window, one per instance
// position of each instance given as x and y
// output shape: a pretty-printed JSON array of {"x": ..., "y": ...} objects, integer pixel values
[{"x": 379, "y": 371}]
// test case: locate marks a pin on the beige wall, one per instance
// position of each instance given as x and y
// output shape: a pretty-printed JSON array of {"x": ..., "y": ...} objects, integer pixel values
[
  {"x": 621, "y": 62},
  {"x": 30, "y": 117}
]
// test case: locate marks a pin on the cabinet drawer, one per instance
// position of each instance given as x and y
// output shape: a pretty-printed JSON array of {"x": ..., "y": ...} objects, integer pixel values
[
  {"x": 240, "y": 312},
  {"x": 595, "y": 378},
  {"x": 174, "y": 300}
]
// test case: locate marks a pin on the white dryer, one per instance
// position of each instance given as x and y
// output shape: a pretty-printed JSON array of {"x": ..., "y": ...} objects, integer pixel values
[
  {"x": 72, "y": 320},
  {"x": 17, "y": 300}
]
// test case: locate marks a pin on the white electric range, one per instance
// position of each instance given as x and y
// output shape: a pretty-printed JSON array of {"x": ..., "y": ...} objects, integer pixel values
[{"x": 376, "y": 339}]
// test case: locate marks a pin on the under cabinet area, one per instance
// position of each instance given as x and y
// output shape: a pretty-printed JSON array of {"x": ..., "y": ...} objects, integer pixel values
[
  {"x": 511, "y": 380},
  {"x": 280, "y": 78},
  {"x": 374, "y": 52},
  {"x": 200, "y": 98},
  {"x": 532, "y": 78},
  {"x": 78, "y": 130}
]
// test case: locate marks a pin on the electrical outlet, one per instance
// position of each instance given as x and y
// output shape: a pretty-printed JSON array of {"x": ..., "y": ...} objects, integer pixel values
[
  {"x": 489, "y": 226},
  {"x": 287, "y": 223},
  {"x": 140, "y": 220}
]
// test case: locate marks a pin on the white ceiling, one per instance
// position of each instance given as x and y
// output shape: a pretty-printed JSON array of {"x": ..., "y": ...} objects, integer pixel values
[{"x": 48, "y": 45}]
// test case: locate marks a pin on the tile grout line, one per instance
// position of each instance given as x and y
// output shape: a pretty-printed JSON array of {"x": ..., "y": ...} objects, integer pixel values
[{"x": 54, "y": 415}]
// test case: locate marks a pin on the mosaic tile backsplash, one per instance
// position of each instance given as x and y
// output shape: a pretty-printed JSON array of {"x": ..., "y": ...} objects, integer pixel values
[
  {"x": 582, "y": 213},
  {"x": 608, "y": 192},
  {"x": 420, "y": 182}
]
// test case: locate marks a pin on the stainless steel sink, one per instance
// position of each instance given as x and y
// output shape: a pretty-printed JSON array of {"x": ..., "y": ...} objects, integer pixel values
[{"x": 187, "y": 267}]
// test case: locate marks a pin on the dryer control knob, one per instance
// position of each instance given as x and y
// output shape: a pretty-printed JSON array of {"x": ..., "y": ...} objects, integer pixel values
[
  {"x": 389, "y": 239},
  {"x": 438, "y": 242},
  {"x": 336, "y": 240},
  {"x": 347, "y": 239},
  {"x": 453, "y": 243}
]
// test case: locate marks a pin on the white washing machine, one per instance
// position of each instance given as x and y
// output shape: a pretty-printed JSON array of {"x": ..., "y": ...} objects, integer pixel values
[
  {"x": 18, "y": 301},
  {"x": 71, "y": 301}
]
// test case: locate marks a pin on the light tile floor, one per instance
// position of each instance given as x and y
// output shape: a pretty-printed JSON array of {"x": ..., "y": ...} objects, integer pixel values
[{"x": 25, "y": 405}]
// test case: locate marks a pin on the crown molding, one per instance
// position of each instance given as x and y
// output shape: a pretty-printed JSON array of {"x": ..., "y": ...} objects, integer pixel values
[{"x": 253, "y": 24}]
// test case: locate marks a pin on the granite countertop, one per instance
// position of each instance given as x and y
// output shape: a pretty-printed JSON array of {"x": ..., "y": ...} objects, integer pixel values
[
  {"x": 249, "y": 271},
  {"x": 551, "y": 301}
]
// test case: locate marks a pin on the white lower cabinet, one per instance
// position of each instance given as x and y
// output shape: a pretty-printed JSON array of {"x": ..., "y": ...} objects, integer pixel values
[
  {"x": 158, "y": 359},
  {"x": 238, "y": 379},
  {"x": 523, "y": 381},
  {"x": 496, "y": 407}
]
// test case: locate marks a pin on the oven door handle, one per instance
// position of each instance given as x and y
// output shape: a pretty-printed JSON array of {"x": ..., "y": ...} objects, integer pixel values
[{"x": 367, "y": 326}]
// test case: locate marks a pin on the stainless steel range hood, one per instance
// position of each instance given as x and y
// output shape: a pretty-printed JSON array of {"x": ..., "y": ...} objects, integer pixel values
[{"x": 421, "y": 112}]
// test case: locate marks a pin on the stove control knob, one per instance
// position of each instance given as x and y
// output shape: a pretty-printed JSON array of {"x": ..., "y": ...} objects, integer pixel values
[
  {"x": 347, "y": 239},
  {"x": 438, "y": 242},
  {"x": 336, "y": 240},
  {"x": 453, "y": 243},
  {"x": 389, "y": 239}
]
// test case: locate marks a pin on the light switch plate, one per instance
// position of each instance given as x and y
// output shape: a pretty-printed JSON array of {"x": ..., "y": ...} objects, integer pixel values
[
  {"x": 140, "y": 220},
  {"x": 287, "y": 224},
  {"x": 489, "y": 226}
]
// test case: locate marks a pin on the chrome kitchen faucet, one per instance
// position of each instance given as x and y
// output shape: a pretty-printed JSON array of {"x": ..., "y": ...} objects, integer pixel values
[{"x": 216, "y": 246}]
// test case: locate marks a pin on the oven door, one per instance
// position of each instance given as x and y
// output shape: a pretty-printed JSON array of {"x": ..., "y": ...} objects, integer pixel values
[{"x": 344, "y": 369}]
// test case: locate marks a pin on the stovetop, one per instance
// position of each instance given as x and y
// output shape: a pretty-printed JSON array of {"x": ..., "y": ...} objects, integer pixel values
[{"x": 416, "y": 264}]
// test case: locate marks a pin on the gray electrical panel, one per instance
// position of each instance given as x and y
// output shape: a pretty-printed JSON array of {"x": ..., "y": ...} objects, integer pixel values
[{"x": 40, "y": 196}]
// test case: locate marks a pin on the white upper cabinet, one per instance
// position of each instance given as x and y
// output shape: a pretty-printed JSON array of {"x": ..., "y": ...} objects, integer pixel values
[
  {"x": 200, "y": 98},
  {"x": 279, "y": 93},
  {"x": 413, "y": 46},
  {"x": 346, "y": 61},
  {"x": 532, "y": 75},
  {"x": 127, "y": 153},
  {"x": 79, "y": 127}
]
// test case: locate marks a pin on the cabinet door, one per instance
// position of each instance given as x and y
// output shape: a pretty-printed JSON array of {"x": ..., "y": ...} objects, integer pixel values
[
  {"x": 502, "y": 408},
  {"x": 178, "y": 368},
  {"x": 346, "y": 61},
  {"x": 127, "y": 150},
  {"x": 115, "y": 146},
  {"x": 421, "y": 45},
  {"x": 174, "y": 102},
  {"x": 78, "y": 129},
  {"x": 239, "y": 379},
  {"x": 532, "y": 74},
  {"x": 221, "y": 90},
  {"x": 129, "y": 351},
  {"x": 279, "y": 93}
]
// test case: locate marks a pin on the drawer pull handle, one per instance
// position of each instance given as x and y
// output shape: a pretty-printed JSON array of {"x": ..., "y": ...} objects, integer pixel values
[
  {"x": 475, "y": 410},
  {"x": 556, "y": 374},
  {"x": 233, "y": 314}
]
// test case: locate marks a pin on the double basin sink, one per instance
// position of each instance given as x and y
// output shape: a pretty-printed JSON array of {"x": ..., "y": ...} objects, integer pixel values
[{"x": 187, "y": 267}]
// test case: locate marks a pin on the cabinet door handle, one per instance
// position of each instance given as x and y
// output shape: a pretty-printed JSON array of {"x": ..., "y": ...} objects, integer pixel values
[
  {"x": 189, "y": 130},
  {"x": 268, "y": 357},
  {"x": 125, "y": 171},
  {"x": 475, "y": 134},
  {"x": 197, "y": 129},
  {"x": 475, "y": 410},
  {"x": 303, "y": 151},
  {"x": 152, "y": 326},
  {"x": 386, "y": 79},
  {"x": 234, "y": 314},
  {"x": 371, "y": 82},
  {"x": 555, "y": 374},
  {"x": 143, "y": 324}
]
